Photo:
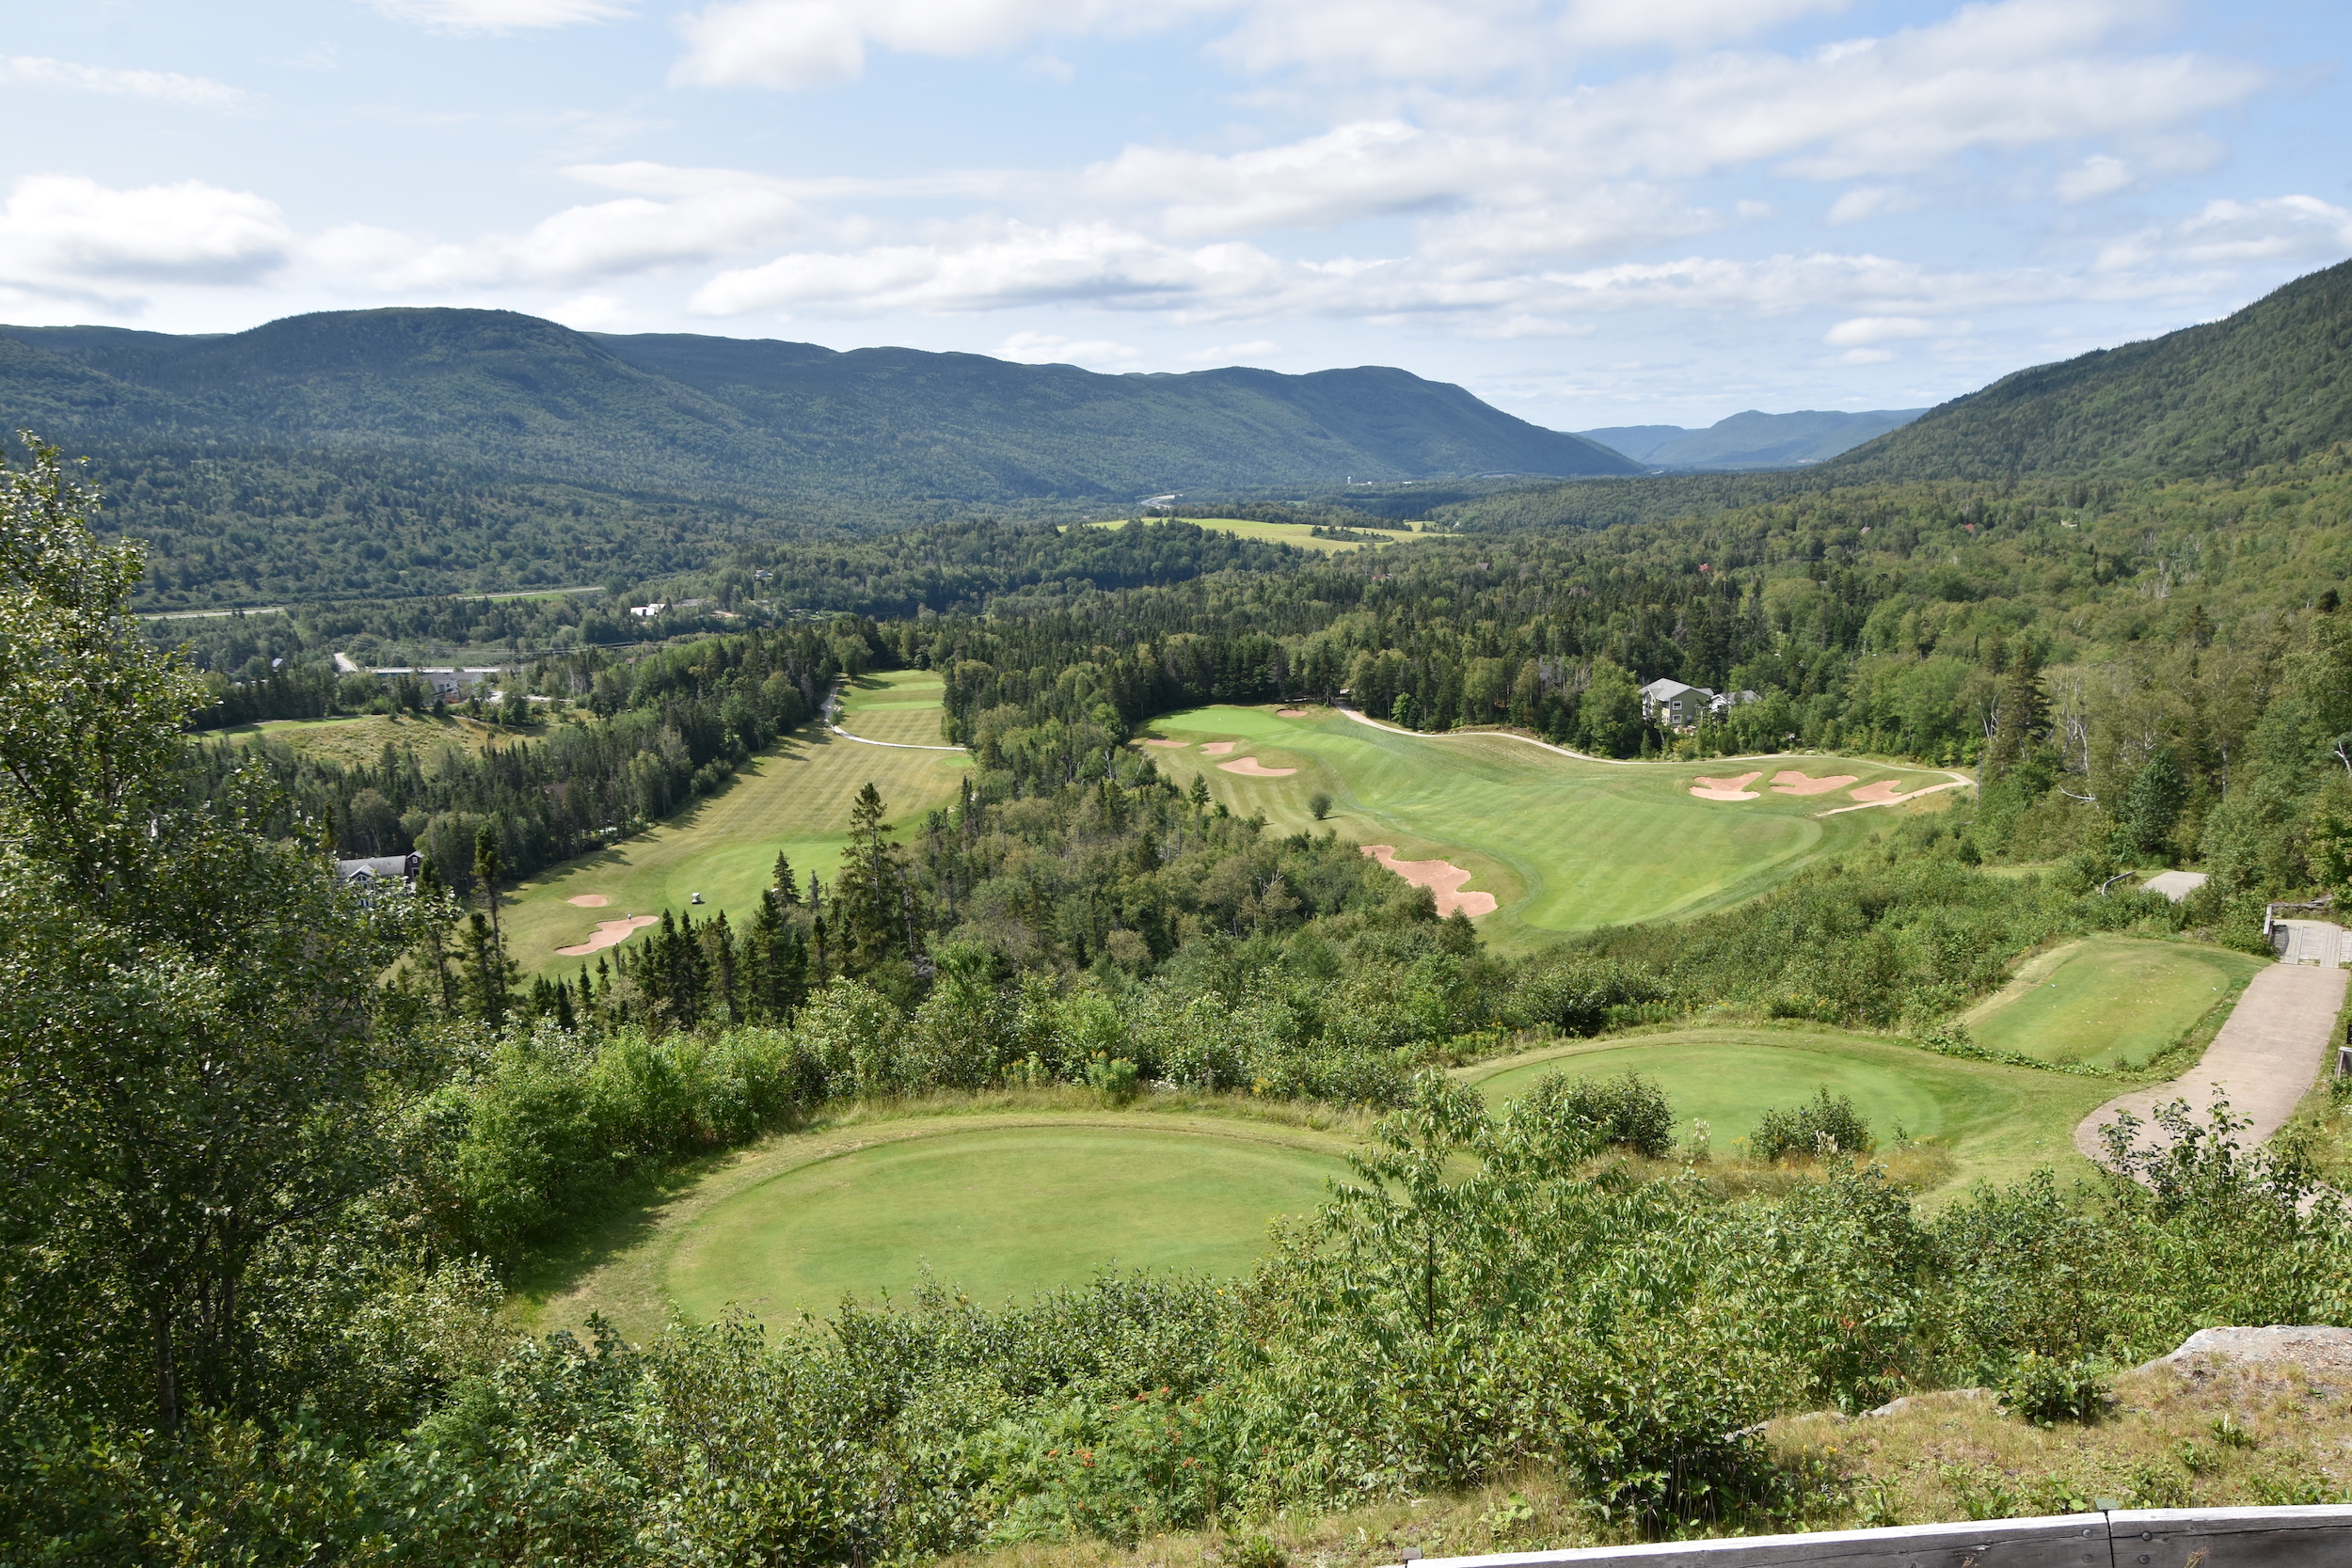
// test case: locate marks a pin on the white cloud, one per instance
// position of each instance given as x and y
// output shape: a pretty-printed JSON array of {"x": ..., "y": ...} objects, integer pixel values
[
  {"x": 1869, "y": 202},
  {"x": 2096, "y": 176},
  {"x": 1046, "y": 348},
  {"x": 500, "y": 16},
  {"x": 1685, "y": 23},
  {"x": 591, "y": 313},
  {"x": 806, "y": 44},
  {"x": 2288, "y": 229},
  {"x": 64, "y": 228},
  {"x": 1229, "y": 354},
  {"x": 167, "y": 86},
  {"x": 1857, "y": 331}
]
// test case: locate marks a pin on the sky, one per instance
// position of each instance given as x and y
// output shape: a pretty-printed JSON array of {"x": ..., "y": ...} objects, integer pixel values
[{"x": 1587, "y": 212}]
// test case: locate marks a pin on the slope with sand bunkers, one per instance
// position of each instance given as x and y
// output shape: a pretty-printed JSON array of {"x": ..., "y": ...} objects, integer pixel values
[
  {"x": 794, "y": 800},
  {"x": 1533, "y": 839}
]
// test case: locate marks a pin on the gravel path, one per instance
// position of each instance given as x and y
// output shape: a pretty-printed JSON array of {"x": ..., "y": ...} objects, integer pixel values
[{"x": 2264, "y": 1061}]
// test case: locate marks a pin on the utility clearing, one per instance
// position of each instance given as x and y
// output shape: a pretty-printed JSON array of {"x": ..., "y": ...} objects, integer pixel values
[{"x": 1558, "y": 843}]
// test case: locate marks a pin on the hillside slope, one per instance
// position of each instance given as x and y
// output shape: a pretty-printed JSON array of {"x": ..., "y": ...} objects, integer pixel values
[
  {"x": 535, "y": 401},
  {"x": 2265, "y": 384},
  {"x": 1753, "y": 439}
]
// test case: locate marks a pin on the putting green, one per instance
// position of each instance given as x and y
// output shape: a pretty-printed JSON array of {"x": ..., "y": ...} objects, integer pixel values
[
  {"x": 2110, "y": 1001},
  {"x": 1563, "y": 843},
  {"x": 995, "y": 1211},
  {"x": 1997, "y": 1121},
  {"x": 794, "y": 798}
]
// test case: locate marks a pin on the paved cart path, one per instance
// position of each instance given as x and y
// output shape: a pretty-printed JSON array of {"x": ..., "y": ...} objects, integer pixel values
[{"x": 2264, "y": 1061}]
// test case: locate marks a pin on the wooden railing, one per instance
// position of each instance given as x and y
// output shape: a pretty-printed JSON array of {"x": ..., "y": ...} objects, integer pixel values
[{"x": 2317, "y": 1537}]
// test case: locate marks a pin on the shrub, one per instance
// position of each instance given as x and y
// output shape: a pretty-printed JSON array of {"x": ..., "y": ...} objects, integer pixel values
[
  {"x": 2046, "y": 1390},
  {"x": 1116, "y": 1080},
  {"x": 1319, "y": 804},
  {"x": 1819, "y": 1126},
  {"x": 1629, "y": 1112}
]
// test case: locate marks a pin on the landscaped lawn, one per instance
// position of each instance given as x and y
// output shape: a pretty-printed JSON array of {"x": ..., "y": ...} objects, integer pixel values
[
  {"x": 795, "y": 800},
  {"x": 1998, "y": 1122},
  {"x": 1564, "y": 844},
  {"x": 2110, "y": 1001}
]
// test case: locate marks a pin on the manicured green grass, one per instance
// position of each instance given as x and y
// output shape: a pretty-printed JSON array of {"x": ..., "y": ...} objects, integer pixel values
[
  {"x": 997, "y": 1213},
  {"x": 1997, "y": 1122},
  {"x": 2110, "y": 1001},
  {"x": 795, "y": 800},
  {"x": 1564, "y": 844},
  {"x": 1301, "y": 534}
]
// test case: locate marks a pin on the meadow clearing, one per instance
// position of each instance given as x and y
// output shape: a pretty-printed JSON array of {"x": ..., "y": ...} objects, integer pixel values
[
  {"x": 2107, "y": 1001},
  {"x": 794, "y": 800},
  {"x": 1563, "y": 844},
  {"x": 363, "y": 737},
  {"x": 1301, "y": 534}
]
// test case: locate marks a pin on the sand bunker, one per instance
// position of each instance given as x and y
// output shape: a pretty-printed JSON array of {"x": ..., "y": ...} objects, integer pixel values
[
  {"x": 588, "y": 901},
  {"x": 1442, "y": 877},
  {"x": 609, "y": 933},
  {"x": 1884, "y": 792},
  {"x": 1290, "y": 713},
  {"x": 1251, "y": 767},
  {"x": 1172, "y": 745},
  {"x": 1798, "y": 783},
  {"x": 1725, "y": 789},
  {"x": 1218, "y": 748}
]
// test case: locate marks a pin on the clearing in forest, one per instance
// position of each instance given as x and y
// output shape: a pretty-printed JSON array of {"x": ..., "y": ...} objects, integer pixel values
[
  {"x": 794, "y": 798},
  {"x": 1561, "y": 843},
  {"x": 2110, "y": 1001},
  {"x": 1993, "y": 1122},
  {"x": 1301, "y": 534},
  {"x": 995, "y": 1204}
]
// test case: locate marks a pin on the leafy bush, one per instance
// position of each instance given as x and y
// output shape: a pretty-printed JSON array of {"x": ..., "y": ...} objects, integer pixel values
[
  {"x": 1114, "y": 1080},
  {"x": 1819, "y": 1126},
  {"x": 2046, "y": 1390},
  {"x": 1628, "y": 1112}
]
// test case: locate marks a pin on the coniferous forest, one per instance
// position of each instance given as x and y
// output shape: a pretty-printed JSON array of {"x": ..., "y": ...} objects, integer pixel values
[{"x": 286, "y": 1154}]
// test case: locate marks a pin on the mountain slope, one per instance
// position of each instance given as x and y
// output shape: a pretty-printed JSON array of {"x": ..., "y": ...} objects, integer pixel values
[
  {"x": 771, "y": 422},
  {"x": 1753, "y": 439},
  {"x": 2265, "y": 384}
]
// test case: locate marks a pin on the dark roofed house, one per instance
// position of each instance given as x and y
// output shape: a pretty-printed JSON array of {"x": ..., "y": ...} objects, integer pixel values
[
  {"x": 1673, "y": 704},
  {"x": 381, "y": 868}
]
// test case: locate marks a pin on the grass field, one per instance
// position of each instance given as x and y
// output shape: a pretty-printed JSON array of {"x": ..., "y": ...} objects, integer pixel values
[
  {"x": 1996, "y": 1122},
  {"x": 2110, "y": 1001},
  {"x": 998, "y": 1203},
  {"x": 1563, "y": 844},
  {"x": 363, "y": 739},
  {"x": 795, "y": 800},
  {"x": 1301, "y": 534}
]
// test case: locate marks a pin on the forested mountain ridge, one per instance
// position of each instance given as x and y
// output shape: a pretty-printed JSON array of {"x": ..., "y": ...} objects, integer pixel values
[
  {"x": 2264, "y": 385},
  {"x": 776, "y": 420},
  {"x": 1753, "y": 439}
]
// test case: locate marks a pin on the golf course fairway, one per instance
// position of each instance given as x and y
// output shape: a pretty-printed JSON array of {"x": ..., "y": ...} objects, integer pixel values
[
  {"x": 1997, "y": 1122},
  {"x": 794, "y": 800},
  {"x": 2110, "y": 1001},
  {"x": 1562, "y": 843},
  {"x": 996, "y": 1213}
]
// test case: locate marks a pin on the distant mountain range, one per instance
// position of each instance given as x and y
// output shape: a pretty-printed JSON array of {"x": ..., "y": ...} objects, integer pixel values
[
  {"x": 775, "y": 421},
  {"x": 2270, "y": 383},
  {"x": 1750, "y": 440}
]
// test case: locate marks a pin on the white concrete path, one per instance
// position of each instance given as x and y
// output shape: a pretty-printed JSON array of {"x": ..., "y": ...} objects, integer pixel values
[{"x": 2264, "y": 1061}]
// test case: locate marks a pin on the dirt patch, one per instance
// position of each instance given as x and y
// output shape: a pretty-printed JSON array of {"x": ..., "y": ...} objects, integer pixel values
[
  {"x": 1799, "y": 783},
  {"x": 1171, "y": 745},
  {"x": 609, "y": 933},
  {"x": 1218, "y": 748},
  {"x": 1442, "y": 877},
  {"x": 588, "y": 901},
  {"x": 1884, "y": 792},
  {"x": 1251, "y": 767},
  {"x": 1290, "y": 713},
  {"x": 1725, "y": 789}
]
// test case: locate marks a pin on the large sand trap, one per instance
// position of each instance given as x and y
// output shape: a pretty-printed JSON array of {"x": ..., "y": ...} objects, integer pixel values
[
  {"x": 1884, "y": 792},
  {"x": 1290, "y": 713},
  {"x": 1172, "y": 745},
  {"x": 588, "y": 901},
  {"x": 1218, "y": 748},
  {"x": 1442, "y": 877},
  {"x": 1725, "y": 789},
  {"x": 1251, "y": 767},
  {"x": 609, "y": 933},
  {"x": 1798, "y": 783}
]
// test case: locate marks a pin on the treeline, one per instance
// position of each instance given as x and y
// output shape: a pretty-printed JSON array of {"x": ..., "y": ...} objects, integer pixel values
[{"x": 667, "y": 728}]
